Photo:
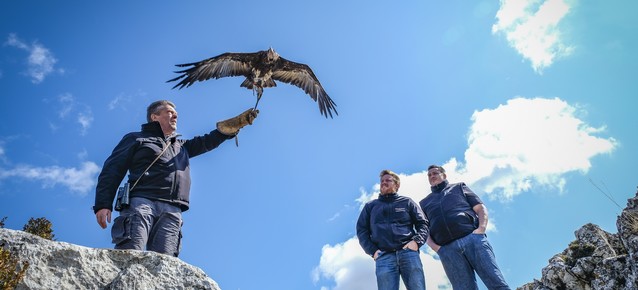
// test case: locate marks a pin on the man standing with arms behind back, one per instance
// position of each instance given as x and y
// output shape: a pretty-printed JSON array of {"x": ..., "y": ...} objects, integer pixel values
[
  {"x": 391, "y": 229},
  {"x": 458, "y": 220}
]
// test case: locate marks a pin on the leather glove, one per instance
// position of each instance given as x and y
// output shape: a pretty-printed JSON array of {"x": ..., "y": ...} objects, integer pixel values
[{"x": 231, "y": 126}]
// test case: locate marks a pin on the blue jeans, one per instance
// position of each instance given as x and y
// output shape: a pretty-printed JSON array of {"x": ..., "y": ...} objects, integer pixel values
[
  {"x": 405, "y": 263},
  {"x": 148, "y": 224},
  {"x": 462, "y": 257}
]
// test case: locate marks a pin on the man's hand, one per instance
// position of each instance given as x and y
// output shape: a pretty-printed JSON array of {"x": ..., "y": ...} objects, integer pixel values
[
  {"x": 103, "y": 216},
  {"x": 412, "y": 245},
  {"x": 481, "y": 212},
  {"x": 479, "y": 231},
  {"x": 377, "y": 254},
  {"x": 435, "y": 247}
]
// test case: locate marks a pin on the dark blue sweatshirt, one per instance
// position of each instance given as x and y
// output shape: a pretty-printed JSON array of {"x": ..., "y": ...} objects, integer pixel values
[{"x": 390, "y": 222}]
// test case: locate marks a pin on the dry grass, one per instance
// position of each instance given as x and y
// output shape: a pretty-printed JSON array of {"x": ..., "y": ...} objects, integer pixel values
[
  {"x": 629, "y": 221},
  {"x": 11, "y": 270}
]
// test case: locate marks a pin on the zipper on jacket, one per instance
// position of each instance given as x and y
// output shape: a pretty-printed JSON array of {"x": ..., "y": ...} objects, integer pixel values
[{"x": 447, "y": 227}]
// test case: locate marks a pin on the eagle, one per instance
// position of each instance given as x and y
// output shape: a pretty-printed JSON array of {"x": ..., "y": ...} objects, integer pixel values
[{"x": 261, "y": 69}]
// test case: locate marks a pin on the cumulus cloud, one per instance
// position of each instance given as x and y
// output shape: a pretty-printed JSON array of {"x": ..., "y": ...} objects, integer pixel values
[
  {"x": 519, "y": 145},
  {"x": 85, "y": 119},
  {"x": 41, "y": 61},
  {"x": 532, "y": 28},
  {"x": 525, "y": 143},
  {"x": 67, "y": 105},
  {"x": 2, "y": 152},
  {"x": 79, "y": 180},
  {"x": 122, "y": 100},
  {"x": 351, "y": 269}
]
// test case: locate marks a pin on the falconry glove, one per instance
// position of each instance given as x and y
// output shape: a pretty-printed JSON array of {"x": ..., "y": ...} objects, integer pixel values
[{"x": 231, "y": 126}]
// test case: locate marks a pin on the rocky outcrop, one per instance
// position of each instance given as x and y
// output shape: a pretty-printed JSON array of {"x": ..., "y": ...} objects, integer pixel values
[
  {"x": 59, "y": 265},
  {"x": 596, "y": 259}
]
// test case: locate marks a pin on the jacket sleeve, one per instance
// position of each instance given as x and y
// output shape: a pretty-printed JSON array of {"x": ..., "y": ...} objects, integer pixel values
[
  {"x": 421, "y": 224},
  {"x": 203, "y": 144},
  {"x": 471, "y": 197},
  {"x": 113, "y": 171},
  {"x": 364, "y": 233}
]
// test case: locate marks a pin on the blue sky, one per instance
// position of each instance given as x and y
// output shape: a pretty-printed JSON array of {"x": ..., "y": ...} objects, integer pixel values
[{"x": 532, "y": 103}]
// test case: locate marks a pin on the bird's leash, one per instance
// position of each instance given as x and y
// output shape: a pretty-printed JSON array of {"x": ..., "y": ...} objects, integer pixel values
[
  {"x": 149, "y": 167},
  {"x": 124, "y": 191}
]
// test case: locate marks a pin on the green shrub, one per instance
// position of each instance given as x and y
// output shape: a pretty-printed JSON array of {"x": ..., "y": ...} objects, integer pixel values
[{"x": 40, "y": 227}]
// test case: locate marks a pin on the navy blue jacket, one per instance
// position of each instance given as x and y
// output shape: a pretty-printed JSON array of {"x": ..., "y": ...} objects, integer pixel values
[
  {"x": 390, "y": 222},
  {"x": 167, "y": 180},
  {"x": 449, "y": 210}
]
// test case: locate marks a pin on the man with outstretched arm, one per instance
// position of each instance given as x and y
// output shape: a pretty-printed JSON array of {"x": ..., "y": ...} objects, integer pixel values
[{"x": 157, "y": 160}]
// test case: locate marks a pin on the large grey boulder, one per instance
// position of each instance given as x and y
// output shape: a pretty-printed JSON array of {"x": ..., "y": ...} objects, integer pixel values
[{"x": 60, "y": 265}]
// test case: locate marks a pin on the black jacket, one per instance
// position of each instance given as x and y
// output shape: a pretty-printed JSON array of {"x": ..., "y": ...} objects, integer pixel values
[
  {"x": 449, "y": 210},
  {"x": 390, "y": 222},
  {"x": 167, "y": 180}
]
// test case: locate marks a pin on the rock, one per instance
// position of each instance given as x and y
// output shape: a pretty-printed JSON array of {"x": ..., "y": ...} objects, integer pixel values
[
  {"x": 60, "y": 265},
  {"x": 596, "y": 259}
]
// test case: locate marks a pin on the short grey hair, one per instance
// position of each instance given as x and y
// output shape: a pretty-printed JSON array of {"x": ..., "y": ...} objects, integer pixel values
[{"x": 156, "y": 107}]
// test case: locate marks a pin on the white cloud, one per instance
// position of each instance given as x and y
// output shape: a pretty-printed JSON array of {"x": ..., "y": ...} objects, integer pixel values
[
  {"x": 41, "y": 61},
  {"x": 525, "y": 143},
  {"x": 79, "y": 180},
  {"x": 85, "y": 119},
  {"x": 117, "y": 101},
  {"x": 123, "y": 99},
  {"x": 351, "y": 269},
  {"x": 3, "y": 156},
  {"x": 532, "y": 28},
  {"x": 68, "y": 106},
  {"x": 67, "y": 103}
]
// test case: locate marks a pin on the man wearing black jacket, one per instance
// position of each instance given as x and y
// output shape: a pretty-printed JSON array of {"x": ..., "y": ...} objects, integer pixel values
[
  {"x": 458, "y": 220},
  {"x": 391, "y": 229},
  {"x": 159, "y": 175}
]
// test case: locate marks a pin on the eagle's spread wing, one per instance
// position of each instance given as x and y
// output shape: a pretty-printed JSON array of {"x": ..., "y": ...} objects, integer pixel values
[
  {"x": 301, "y": 75},
  {"x": 229, "y": 64}
]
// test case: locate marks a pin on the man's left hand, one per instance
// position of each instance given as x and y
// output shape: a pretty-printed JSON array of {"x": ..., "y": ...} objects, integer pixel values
[
  {"x": 231, "y": 126},
  {"x": 412, "y": 245}
]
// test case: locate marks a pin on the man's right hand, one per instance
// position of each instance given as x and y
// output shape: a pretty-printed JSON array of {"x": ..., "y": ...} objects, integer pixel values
[{"x": 103, "y": 216}]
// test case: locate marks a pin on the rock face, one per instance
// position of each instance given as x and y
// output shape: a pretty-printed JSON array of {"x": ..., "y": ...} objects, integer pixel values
[
  {"x": 59, "y": 265},
  {"x": 596, "y": 259}
]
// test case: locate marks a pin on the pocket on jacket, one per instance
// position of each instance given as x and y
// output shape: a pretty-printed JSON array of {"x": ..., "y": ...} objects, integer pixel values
[{"x": 121, "y": 231}]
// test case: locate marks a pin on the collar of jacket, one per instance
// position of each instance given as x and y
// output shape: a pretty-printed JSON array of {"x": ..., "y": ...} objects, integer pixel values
[
  {"x": 439, "y": 187},
  {"x": 155, "y": 129},
  {"x": 388, "y": 197}
]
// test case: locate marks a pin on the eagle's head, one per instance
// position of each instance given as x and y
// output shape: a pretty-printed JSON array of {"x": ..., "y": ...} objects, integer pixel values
[{"x": 271, "y": 55}]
